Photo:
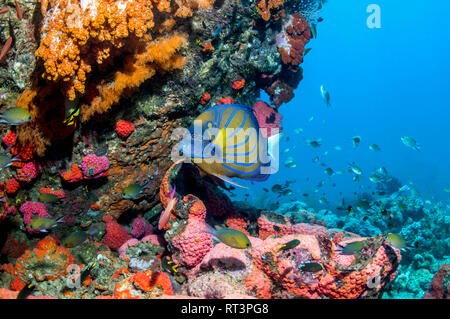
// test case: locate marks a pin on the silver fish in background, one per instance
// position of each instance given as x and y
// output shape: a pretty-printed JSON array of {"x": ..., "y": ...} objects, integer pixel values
[
  {"x": 314, "y": 143},
  {"x": 329, "y": 171},
  {"x": 374, "y": 147},
  {"x": 355, "y": 169},
  {"x": 376, "y": 178},
  {"x": 325, "y": 94},
  {"x": 410, "y": 142}
]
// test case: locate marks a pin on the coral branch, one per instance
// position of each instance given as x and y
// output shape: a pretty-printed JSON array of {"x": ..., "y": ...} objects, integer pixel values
[
  {"x": 5, "y": 48},
  {"x": 18, "y": 11}
]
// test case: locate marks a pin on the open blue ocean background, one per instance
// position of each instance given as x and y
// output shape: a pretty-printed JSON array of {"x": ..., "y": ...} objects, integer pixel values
[{"x": 384, "y": 84}]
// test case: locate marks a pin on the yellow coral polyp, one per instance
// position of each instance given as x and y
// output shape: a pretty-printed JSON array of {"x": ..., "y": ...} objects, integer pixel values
[
  {"x": 66, "y": 33},
  {"x": 71, "y": 27},
  {"x": 77, "y": 37}
]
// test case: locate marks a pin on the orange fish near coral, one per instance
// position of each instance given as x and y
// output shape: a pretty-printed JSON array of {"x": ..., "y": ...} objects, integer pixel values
[{"x": 165, "y": 215}]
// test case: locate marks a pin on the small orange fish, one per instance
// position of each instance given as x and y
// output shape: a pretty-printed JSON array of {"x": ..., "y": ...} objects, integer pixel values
[{"x": 165, "y": 215}]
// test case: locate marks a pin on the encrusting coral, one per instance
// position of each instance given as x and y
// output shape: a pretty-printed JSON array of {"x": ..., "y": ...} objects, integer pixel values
[
  {"x": 157, "y": 56},
  {"x": 162, "y": 63},
  {"x": 264, "y": 7},
  {"x": 79, "y": 37}
]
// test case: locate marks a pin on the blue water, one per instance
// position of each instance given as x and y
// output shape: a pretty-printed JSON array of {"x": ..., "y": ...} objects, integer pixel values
[{"x": 384, "y": 83}]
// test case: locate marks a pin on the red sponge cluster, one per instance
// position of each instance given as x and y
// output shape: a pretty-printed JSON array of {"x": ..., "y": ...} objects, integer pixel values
[
  {"x": 74, "y": 175},
  {"x": 292, "y": 40},
  {"x": 12, "y": 186},
  {"x": 124, "y": 129},
  {"x": 116, "y": 235},
  {"x": 192, "y": 244},
  {"x": 9, "y": 139},
  {"x": 225, "y": 100},
  {"x": 237, "y": 85},
  {"x": 28, "y": 172}
]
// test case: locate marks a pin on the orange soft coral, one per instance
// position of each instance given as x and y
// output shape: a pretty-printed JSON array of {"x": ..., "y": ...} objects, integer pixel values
[
  {"x": 157, "y": 56},
  {"x": 186, "y": 7},
  {"x": 148, "y": 281},
  {"x": 78, "y": 35},
  {"x": 264, "y": 7},
  {"x": 54, "y": 260},
  {"x": 74, "y": 175}
]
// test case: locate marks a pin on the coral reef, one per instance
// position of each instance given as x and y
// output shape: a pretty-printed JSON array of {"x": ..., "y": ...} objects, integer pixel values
[
  {"x": 265, "y": 6},
  {"x": 48, "y": 261},
  {"x": 267, "y": 272},
  {"x": 160, "y": 64},
  {"x": 440, "y": 285},
  {"x": 192, "y": 244},
  {"x": 28, "y": 209}
]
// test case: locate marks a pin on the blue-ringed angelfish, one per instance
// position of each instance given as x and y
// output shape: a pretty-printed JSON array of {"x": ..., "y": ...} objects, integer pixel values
[{"x": 225, "y": 142}]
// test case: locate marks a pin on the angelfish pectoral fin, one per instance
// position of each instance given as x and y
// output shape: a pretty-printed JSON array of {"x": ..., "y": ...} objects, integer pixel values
[{"x": 226, "y": 179}]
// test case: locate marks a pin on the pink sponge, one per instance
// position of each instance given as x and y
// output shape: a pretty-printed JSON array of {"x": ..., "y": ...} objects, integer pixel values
[
  {"x": 116, "y": 235},
  {"x": 268, "y": 228},
  {"x": 28, "y": 172},
  {"x": 28, "y": 209},
  {"x": 193, "y": 243},
  {"x": 140, "y": 228},
  {"x": 94, "y": 166},
  {"x": 268, "y": 118}
]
